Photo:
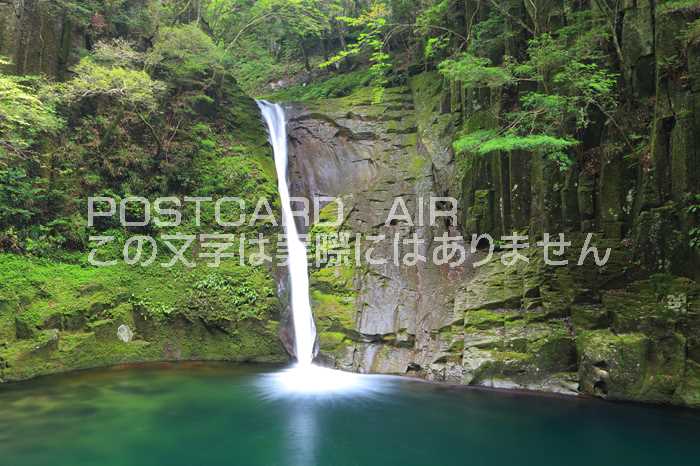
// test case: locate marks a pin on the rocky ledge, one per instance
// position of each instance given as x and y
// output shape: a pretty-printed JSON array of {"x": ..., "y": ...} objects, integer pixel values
[{"x": 622, "y": 331}]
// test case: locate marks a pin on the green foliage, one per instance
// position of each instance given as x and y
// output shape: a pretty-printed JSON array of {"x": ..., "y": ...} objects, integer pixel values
[
  {"x": 484, "y": 142},
  {"x": 335, "y": 86},
  {"x": 237, "y": 294},
  {"x": 18, "y": 197},
  {"x": 432, "y": 15},
  {"x": 254, "y": 67},
  {"x": 694, "y": 238},
  {"x": 27, "y": 119},
  {"x": 546, "y": 55},
  {"x": 672, "y": 5},
  {"x": 571, "y": 90},
  {"x": 490, "y": 34},
  {"x": 487, "y": 141},
  {"x": 691, "y": 35},
  {"x": 434, "y": 46},
  {"x": 185, "y": 53},
  {"x": 127, "y": 133},
  {"x": 56, "y": 237},
  {"x": 543, "y": 112},
  {"x": 475, "y": 71},
  {"x": 433, "y": 27},
  {"x": 25, "y": 116},
  {"x": 270, "y": 39},
  {"x": 111, "y": 107},
  {"x": 301, "y": 18},
  {"x": 111, "y": 15},
  {"x": 242, "y": 176},
  {"x": 370, "y": 40},
  {"x": 694, "y": 204},
  {"x": 132, "y": 89},
  {"x": 586, "y": 86},
  {"x": 117, "y": 53}
]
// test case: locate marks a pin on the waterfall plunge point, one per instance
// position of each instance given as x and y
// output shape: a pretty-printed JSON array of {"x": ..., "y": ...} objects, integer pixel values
[
  {"x": 304, "y": 378},
  {"x": 304, "y": 328}
]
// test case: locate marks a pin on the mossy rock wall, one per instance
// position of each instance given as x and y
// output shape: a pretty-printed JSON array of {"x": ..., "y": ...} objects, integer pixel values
[
  {"x": 627, "y": 330},
  {"x": 609, "y": 190},
  {"x": 47, "y": 37},
  {"x": 59, "y": 317},
  {"x": 59, "y": 313}
]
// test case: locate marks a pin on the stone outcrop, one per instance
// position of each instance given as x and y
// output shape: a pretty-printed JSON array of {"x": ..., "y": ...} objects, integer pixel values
[
  {"x": 38, "y": 36},
  {"x": 48, "y": 37},
  {"x": 627, "y": 330}
]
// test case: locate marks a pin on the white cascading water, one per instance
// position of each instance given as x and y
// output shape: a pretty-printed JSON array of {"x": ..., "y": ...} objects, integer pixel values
[
  {"x": 305, "y": 379},
  {"x": 304, "y": 328}
]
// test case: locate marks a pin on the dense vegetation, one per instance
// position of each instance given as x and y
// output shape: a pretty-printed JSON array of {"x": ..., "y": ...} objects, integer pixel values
[
  {"x": 143, "y": 95},
  {"x": 148, "y": 108},
  {"x": 572, "y": 115}
]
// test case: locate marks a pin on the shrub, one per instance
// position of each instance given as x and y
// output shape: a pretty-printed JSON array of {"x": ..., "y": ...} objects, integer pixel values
[
  {"x": 24, "y": 116},
  {"x": 131, "y": 88}
]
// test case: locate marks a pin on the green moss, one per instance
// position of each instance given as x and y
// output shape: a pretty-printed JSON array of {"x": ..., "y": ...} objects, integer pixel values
[
  {"x": 692, "y": 34},
  {"x": 233, "y": 294},
  {"x": 509, "y": 366},
  {"x": 332, "y": 342},
  {"x": 674, "y": 5},
  {"x": 655, "y": 306},
  {"x": 336, "y": 86},
  {"x": 427, "y": 93},
  {"x": 335, "y": 279},
  {"x": 612, "y": 365},
  {"x": 688, "y": 392},
  {"x": 417, "y": 165},
  {"x": 555, "y": 351},
  {"x": 511, "y": 357},
  {"x": 332, "y": 287},
  {"x": 590, "y": 317},
  {"x": 485, "y": 319},
  {"x": 333, "y": 312},
  {"x": 359, "y": 97},
  {"x": 70, "y": 313}
]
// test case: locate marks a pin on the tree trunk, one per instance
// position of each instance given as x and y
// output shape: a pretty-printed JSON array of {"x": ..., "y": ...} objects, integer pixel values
[
  {"x": 307, "y": 64},
  {"x": 26, "y": 25}
]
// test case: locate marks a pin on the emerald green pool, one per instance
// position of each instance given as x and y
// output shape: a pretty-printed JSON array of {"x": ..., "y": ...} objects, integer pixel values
[{"x": 206, "y": 415}]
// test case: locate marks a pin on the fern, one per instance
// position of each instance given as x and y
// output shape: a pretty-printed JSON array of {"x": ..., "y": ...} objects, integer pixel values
[
  {"x": 487, "y": 141},
  {"x": 475, "y": 71}
]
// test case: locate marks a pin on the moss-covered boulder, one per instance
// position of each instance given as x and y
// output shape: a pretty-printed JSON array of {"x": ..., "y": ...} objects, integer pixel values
[{"x": 67, "y": 316}]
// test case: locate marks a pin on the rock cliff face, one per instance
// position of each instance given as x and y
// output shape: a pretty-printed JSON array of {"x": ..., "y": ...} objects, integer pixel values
[
  {"x": 48, "y": 36},
  {"x": 628, "y": 330},
  {"x": 39, "y": 36}
]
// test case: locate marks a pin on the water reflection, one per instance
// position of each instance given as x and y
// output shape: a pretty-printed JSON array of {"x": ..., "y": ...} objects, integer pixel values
[
  {"x": 303, "y": 428},
  {"x": 229, "y": 415},
  {"x": 307, "y": 392}
]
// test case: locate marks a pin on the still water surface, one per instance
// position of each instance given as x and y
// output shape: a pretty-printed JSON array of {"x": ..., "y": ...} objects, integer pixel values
[{"x": 210, "y": 415}]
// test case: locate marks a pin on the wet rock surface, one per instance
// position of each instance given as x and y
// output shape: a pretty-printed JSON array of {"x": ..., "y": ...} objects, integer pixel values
[{"x": 627, "y": 330}]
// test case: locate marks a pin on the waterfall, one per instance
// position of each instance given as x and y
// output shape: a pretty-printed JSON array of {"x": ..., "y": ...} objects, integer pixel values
[
  {"x": 304, "y": 328},
  {"x": 305, "y": 378}
]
